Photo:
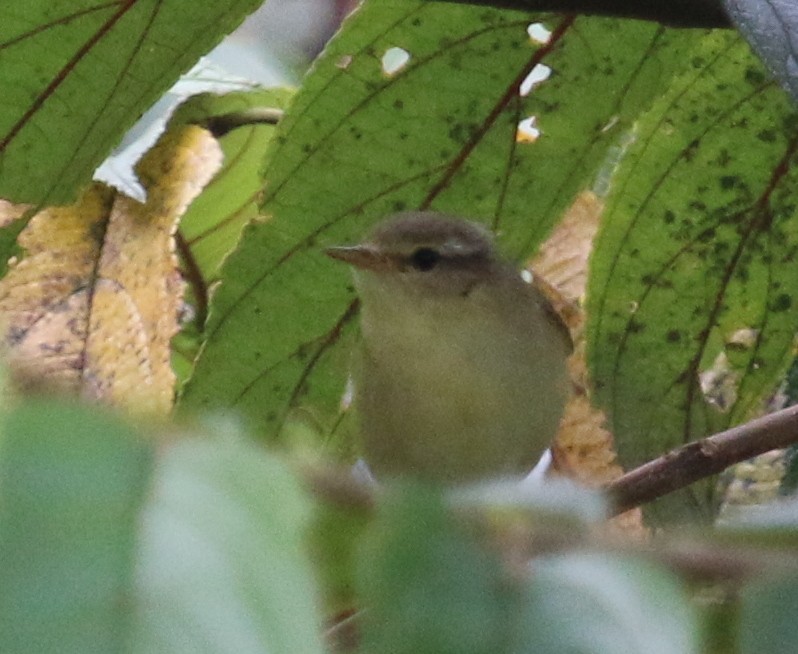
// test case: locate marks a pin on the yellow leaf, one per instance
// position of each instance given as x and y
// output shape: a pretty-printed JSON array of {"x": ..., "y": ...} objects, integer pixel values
[{"x": 93, "y": 305}]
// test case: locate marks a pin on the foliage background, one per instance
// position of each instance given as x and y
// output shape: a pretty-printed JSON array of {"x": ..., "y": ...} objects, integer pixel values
[{"x": 122, "y": 534}]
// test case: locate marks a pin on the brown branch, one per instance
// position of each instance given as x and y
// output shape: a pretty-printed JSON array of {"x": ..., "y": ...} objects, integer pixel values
[
  {"x": 670, "y": 472},
  {"x": 221, "y": 125},
  {"x": 195, "y": 279},
  {"x": 709, "y": 456},
  {"x": 674, "y": 13}
]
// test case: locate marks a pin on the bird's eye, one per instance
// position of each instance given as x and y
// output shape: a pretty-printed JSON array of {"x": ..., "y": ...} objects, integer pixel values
[{"x": 424, "y": 259}]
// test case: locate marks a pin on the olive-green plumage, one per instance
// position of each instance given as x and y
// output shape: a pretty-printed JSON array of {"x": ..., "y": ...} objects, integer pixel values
[{"x": 463, "y": 370}]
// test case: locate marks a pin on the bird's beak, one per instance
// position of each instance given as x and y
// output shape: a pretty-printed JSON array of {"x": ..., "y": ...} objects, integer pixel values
[{"x": 366, "y": 257}]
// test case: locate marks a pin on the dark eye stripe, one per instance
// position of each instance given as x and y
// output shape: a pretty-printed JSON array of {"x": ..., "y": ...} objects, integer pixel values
[{"x": 424, "y": 259}]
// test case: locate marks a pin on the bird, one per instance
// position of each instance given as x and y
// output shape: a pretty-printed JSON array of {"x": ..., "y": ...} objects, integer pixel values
[{"x": 462, "y": 374}]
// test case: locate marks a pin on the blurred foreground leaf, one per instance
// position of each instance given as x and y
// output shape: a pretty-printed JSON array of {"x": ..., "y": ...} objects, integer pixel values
[
  {"x": 598, "y": 604},
  {"x": 767, "y": 618},
  {"x": 426, "y": 586},
  {"x": 72, "y": 482},
  {"x": 223, "y": 565}
]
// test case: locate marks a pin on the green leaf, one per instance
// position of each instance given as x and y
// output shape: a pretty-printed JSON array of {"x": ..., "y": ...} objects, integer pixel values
[
  {"x": 212, "y": 224},
  {"x": 72, "y": 481},
  {"x": 222, "y": 563},
  {"x": 767, "y": 617},
  {"x": 691, "y": 299},
  {"x": 598, "y": 604},
  {"x": 428, "y": 585},
  {"x": 425, "y": 584},
  {"x": 76, "y": 74},
  {"x": 362, "y": 140}
]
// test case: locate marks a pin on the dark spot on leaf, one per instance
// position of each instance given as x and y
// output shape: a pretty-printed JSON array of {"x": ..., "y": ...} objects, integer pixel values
[
  {"x": 707, "y": 235},
  {"x": 698, "y": 62},
  {"x": 403, "y": 136},
  {"x": 789, "y": 123},
  {"x": 789, "y": 257},
  {"x": 668, "y": 217},
  {"x": 399, "y": 205},
  {"x": 635, "y": 326},
  {"x": 754, "y": 76},
  {"x": 673, "y": 336},
  {"x": 271, "y": 416},
  {"x": 398, "y": 104},
  {"x": 457, "y": 133},
  {"x": 767, "y": 135},
  {"x": 306, "y": 148},
  {"x": 781, "y": 303},
  {"x": 690, "y": 150},
  {"x": 728, "y": 182}
]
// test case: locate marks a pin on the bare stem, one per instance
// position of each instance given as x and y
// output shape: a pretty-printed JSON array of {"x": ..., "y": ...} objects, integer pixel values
[{"x": 689, "y": 463}]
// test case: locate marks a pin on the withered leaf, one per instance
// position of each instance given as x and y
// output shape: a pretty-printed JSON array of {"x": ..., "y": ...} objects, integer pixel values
[
  {"x": 583, "y": 448},
  {"x": 92, "y": 306}
]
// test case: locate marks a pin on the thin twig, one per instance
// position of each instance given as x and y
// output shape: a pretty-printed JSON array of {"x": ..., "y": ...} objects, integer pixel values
[
  {"x": 689, "y": 463},
  {"x": 193, "y": 275},
  {"x": 221, "y": 125}
]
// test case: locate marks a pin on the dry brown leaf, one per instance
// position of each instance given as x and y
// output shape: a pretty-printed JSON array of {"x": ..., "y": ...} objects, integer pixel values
[
  {"x": 94, "y": 304},
  {"x": 562, "y": 259},
  {"x": 583, "y": 449}
]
